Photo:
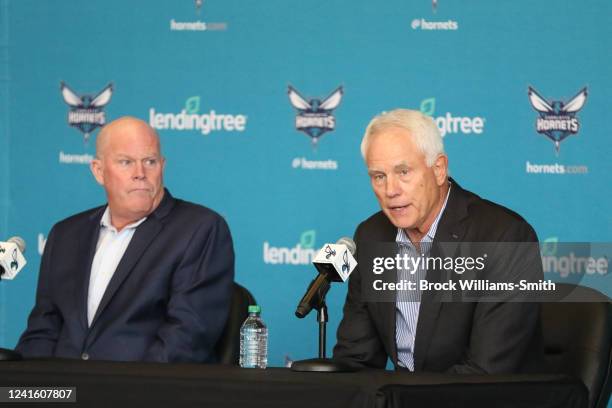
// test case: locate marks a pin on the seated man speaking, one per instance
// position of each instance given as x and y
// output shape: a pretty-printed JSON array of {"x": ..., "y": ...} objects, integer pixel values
[
  {"x": 147, "y": 277},
  {"x": 421, "y": 207}
]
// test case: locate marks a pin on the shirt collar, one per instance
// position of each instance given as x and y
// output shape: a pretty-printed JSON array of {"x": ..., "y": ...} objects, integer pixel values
[
  {"x": 105, "y": 221},
  {"x": 402, "y": 237}
]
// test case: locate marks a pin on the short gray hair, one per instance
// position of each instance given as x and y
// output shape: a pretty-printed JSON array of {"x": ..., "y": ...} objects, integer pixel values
[{"x": 422, "y": 128}]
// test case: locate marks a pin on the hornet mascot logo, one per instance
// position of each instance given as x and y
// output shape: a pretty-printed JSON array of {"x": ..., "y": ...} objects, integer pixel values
[
  {"x": 86, "y": 112},
  {"x": 557, "y": 120},
  {"x": 314, "y": 117}
]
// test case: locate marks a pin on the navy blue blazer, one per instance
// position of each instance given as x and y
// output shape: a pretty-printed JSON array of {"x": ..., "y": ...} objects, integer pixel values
[{"x": 167, "y": 301}]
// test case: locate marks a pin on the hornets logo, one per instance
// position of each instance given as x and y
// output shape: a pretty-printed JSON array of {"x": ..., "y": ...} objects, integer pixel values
[
  {"x": 87, "y": 111},
  {"x": 557, "y": 120},
  {"x": 314, "y": 116}
]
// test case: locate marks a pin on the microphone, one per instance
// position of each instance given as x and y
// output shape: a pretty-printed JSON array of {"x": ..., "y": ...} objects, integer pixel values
[
  {"x": 11, "y": 262},
  {"x": 11, "y": 257},
  {"x": 335, "y": 262}
]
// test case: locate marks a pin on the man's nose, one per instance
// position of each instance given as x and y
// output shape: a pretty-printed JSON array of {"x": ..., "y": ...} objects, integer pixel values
[
  {"x": 393, "y": 188},
  {"x": 139, "y": 171}
]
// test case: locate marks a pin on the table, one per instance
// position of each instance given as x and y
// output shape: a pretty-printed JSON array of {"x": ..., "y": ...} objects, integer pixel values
[{"x": 116, "y": 384}]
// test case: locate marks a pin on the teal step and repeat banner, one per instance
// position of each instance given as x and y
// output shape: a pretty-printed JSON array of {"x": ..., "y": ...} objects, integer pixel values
[{"x": 261, "y": 106}]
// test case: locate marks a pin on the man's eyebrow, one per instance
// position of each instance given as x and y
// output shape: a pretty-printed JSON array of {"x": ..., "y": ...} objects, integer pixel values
[{"x": 401, "y": 166}]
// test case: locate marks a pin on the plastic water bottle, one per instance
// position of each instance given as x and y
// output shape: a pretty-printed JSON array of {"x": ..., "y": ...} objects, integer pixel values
[{"x": 254, "y": 340}]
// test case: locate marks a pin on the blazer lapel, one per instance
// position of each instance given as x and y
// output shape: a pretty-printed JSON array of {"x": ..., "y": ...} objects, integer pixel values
[
  {"x": 85, "y": 254},
  {"x": 450, "y": 232},
  {"x": 386, "y": 310},
  {"x": 390, "y": 314},
  {"x": 143, "y": 236}
]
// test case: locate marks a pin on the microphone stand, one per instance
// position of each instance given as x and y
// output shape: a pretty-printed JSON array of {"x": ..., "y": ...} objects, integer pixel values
[{"x": 322, "y": 364}]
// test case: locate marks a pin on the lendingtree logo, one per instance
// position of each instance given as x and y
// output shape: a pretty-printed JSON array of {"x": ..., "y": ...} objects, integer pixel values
[
  {"x": 450, "y": 123},
  {"x": 575, "y": 259},
  {"x": 301, "y": 254},
  {"x": 190, "y": 118}
]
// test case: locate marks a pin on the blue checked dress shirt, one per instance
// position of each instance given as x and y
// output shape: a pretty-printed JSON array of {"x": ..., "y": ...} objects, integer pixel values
[{"x": 408, "y": 302}]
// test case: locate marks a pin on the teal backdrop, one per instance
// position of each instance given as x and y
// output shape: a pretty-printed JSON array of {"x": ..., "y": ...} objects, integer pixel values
[{"x": 181, "y": 64}]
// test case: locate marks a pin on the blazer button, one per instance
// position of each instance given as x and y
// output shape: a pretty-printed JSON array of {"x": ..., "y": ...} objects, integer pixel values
[{"x": 85, "y": 356}]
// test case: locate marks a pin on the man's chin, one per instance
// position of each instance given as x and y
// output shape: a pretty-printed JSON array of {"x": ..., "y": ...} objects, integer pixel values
[
  {"x": 142, "y": 205},
  {"x": 401, "y": 222}
]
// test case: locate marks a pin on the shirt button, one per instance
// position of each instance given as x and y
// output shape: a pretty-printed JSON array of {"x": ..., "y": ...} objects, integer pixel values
[{"x": 85, "y": 356}]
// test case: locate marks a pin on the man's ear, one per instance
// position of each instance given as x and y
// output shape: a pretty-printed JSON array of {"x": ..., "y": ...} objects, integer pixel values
[
  {"x": 440, "y": 168},
  {"x": 96, "y": 170}
]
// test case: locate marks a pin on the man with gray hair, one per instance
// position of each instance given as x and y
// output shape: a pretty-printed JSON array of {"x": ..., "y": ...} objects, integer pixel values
[
  {"x": 421, "y": 209},
  {"x": 146, "y": 277}
]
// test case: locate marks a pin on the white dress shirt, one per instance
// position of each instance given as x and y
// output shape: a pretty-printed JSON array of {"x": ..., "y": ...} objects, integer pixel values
[{"x": 109, "y": 250}]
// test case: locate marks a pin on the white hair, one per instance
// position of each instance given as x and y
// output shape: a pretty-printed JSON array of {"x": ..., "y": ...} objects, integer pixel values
[{"x": 421, "y": 127}]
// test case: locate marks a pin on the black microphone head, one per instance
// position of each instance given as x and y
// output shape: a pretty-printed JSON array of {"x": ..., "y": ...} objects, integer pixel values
[
  {"x": 302, "y": 311},
  {"x": 350, "y": 244},
  {"x": 19, "y": 242}
]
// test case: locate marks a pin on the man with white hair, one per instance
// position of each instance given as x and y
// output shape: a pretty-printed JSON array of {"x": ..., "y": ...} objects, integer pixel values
[{"x": 422, "y": 209}]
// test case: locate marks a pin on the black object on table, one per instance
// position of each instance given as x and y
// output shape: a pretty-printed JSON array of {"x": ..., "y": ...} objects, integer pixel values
[{"x": 9, "y": 355}]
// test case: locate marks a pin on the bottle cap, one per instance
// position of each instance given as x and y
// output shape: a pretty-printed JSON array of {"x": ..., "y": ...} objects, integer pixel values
[{"x": 254, "y": 309}]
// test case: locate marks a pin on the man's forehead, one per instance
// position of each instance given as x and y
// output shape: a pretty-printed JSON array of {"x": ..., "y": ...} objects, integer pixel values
[
  {"x": 125, "y": 148},
  {"x": 131, "y": 139},
  {"x": 392, "y": 147},
  {"x": 131, "y": 132},
  {"x": 133, "y": 155}
]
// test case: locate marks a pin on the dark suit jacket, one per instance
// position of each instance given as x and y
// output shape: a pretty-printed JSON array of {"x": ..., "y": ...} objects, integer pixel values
[
  {"x": 167, "y": 301},
  {"x": 460, "y": 337}
]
